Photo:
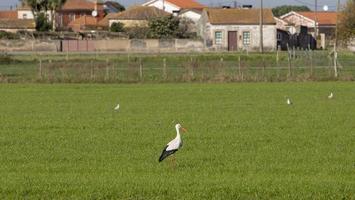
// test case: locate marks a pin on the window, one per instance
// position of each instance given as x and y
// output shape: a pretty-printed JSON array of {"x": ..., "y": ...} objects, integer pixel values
[
  {"x": 246, "y": 38},
  {"x": 24, "y": 16},
  {"x": 218, "y": 37}
]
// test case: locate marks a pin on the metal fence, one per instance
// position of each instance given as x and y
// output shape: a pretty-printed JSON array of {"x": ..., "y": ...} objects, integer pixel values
[{"x": 228, "y": 67}]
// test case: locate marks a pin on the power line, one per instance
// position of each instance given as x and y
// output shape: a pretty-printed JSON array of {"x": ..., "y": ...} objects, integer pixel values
[{"x": 312, "y": 5}]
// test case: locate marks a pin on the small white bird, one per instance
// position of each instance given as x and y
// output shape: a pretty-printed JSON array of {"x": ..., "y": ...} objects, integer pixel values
[
  {"x": 289, "y": 102},
  {"x": 117, "y": 107},
  {"x": 174, "y": 145},
  {"x": 331, "y": 95}
]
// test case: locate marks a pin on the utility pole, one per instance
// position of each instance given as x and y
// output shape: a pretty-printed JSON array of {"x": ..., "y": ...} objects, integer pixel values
[
  {"x": 336, "y": 43},
  {"x": 261, "y": 27},
  {"x": 315, "y": 18},
  {"x": 235, "y": 4}
]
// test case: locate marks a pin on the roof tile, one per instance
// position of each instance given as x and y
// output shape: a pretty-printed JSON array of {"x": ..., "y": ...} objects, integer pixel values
[
  {"x": 238, "y": 16},
  {"x": 323, "y": 18}
]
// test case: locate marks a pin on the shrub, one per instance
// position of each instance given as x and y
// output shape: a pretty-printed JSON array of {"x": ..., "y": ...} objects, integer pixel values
[
  {"x": 117, "y": 27},
  {"x": 42, "y": 23},
  {"x": 8, "y": 35}
]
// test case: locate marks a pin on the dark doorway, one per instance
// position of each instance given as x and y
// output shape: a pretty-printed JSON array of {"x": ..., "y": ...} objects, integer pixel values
[{"x": 232, "y": 41}]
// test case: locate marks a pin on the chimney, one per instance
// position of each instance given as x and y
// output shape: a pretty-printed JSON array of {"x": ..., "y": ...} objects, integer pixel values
[{"x": 247, "y": 6}]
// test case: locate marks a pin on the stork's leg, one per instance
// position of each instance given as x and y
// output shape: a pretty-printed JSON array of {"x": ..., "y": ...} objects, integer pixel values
[{"x": 174, "y": 161}]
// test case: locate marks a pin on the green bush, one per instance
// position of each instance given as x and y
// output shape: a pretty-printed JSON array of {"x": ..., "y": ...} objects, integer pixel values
[
  {"x": 8, "y": 35},
  {"x": 117, "y": 27},
  {"x": 42, "y": 23}
]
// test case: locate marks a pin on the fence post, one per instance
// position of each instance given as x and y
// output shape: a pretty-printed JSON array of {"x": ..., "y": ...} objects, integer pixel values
[
  {"x": 107, "y": 70},
  {"x": 192, "y": 68},
  {"x": 335, "y": 62},
  {"x": 92, "y": 70},
  {"x": 263, "y": 60},
  {"x": 165, "y": 76},
  {"x": 277, "y": 63},
  {"x": 311, "y": 57},
  {"x": 140, "y": 69},
  {"x": 40, "y": 68},
  {"x": 289, "y": 61},
  {"x": 239, "y": 67}
]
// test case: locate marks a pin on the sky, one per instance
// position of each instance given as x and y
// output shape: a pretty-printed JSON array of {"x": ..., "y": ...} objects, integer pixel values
[{"x": 5, "y": 4}]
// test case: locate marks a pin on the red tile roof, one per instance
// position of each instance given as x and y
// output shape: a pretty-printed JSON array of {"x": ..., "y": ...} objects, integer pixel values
[
  {"x": 79, "y": 5},
  {"x": 239, "y": 16},
  {"x": 186, "y": 3},
  {"x": 139, "y": 13},
  {"x": 17, "y": 24},
  {"x": 8, "y": 14},
  {"x": 323, "y": 18}
]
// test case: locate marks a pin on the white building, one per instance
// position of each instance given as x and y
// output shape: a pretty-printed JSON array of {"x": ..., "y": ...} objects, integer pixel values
[
  {"x": 237, "y": 29},
  {"x": 174, "y": 6}
]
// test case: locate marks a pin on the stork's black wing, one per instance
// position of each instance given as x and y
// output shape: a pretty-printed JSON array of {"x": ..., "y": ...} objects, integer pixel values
[{"x": 166, "y": 153}]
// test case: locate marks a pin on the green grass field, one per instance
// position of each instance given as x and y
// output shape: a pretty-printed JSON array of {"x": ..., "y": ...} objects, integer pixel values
[{"x": 244, "y": 142}]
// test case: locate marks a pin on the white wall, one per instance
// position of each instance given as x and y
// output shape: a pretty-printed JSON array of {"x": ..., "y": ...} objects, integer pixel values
[
  {"x": 195, "y": 17},
  {"x": 269, "y": 35},
  {"x": 21, "y": 13},
  {"x": 168, "y": 6}
]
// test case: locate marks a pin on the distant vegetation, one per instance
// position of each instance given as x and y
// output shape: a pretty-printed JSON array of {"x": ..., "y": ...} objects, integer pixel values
[
  {"x": 117, "y": 27},
  {"x": 281, "y": 10},
  {"x": 347, "y": 21}
]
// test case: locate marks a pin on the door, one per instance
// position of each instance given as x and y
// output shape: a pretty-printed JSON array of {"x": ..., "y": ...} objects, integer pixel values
[{"x": 232, "y": 41}]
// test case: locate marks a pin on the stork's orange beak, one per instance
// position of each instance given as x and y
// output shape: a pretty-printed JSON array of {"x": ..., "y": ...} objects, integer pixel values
[{"x": 183, "y": 129}]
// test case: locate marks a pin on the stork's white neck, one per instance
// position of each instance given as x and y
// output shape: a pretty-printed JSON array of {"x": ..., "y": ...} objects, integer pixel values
[{"x": 177, "y": 132}]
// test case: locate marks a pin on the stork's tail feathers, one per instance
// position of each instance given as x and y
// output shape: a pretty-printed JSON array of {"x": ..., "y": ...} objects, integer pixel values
[{"x": 166, "y": 154}]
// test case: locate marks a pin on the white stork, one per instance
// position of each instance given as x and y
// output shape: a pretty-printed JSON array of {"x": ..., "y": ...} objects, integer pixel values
[
  {"x": 117, "y": 107},
  {"x": 174, "y": 145},
  {"x": 331, "y": 96},
  {"x": 289, "y": 102}
]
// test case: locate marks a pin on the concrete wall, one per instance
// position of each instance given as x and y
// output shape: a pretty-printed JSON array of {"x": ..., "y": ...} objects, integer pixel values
[
  {"x": 150, "y": 45},
  {"x": 29, "y": 45},
  {"x": 120, "y": 45}
]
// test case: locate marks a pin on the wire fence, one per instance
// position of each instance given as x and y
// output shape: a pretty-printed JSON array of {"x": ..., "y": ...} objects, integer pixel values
[{"x": 227, "y": 67}]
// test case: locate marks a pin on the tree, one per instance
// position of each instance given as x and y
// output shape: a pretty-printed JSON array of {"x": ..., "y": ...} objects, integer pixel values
[
  {"x": 42, "y": 23},
  {"x": 53, "y": 6},
  {"x": 117, "y": 27},
  {"x": 163, "y": 27},
  {"x": 347, "y": 22},
  {"x": 39, "y": 9},
  {"x": 281, "y": 10}
]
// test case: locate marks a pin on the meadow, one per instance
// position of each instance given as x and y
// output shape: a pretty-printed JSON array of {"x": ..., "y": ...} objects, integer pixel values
[{"x": 65, "y": 141}]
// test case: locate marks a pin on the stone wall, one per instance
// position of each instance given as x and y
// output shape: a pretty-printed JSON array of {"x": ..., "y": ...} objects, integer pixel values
[
  {"x": 119, "y": 45},
  {"x": 29, "y": 45}
]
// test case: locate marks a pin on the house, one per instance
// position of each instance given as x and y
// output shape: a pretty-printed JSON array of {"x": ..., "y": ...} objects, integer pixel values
[
  {"x": 193, "y": 14},
  {"x": 174, "y": 6},
  {"x": 12, "y": 21},
  {"x": 8, "y": 14},
  {"x": 235, "y": 29},
  {"x": 75, "y": 9},
  {"x": 25, "y": 12},
  {"x": 137, "y": 16},
  {"x": 326, "y": 21},
  {"x": 15, "y": 25}
]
